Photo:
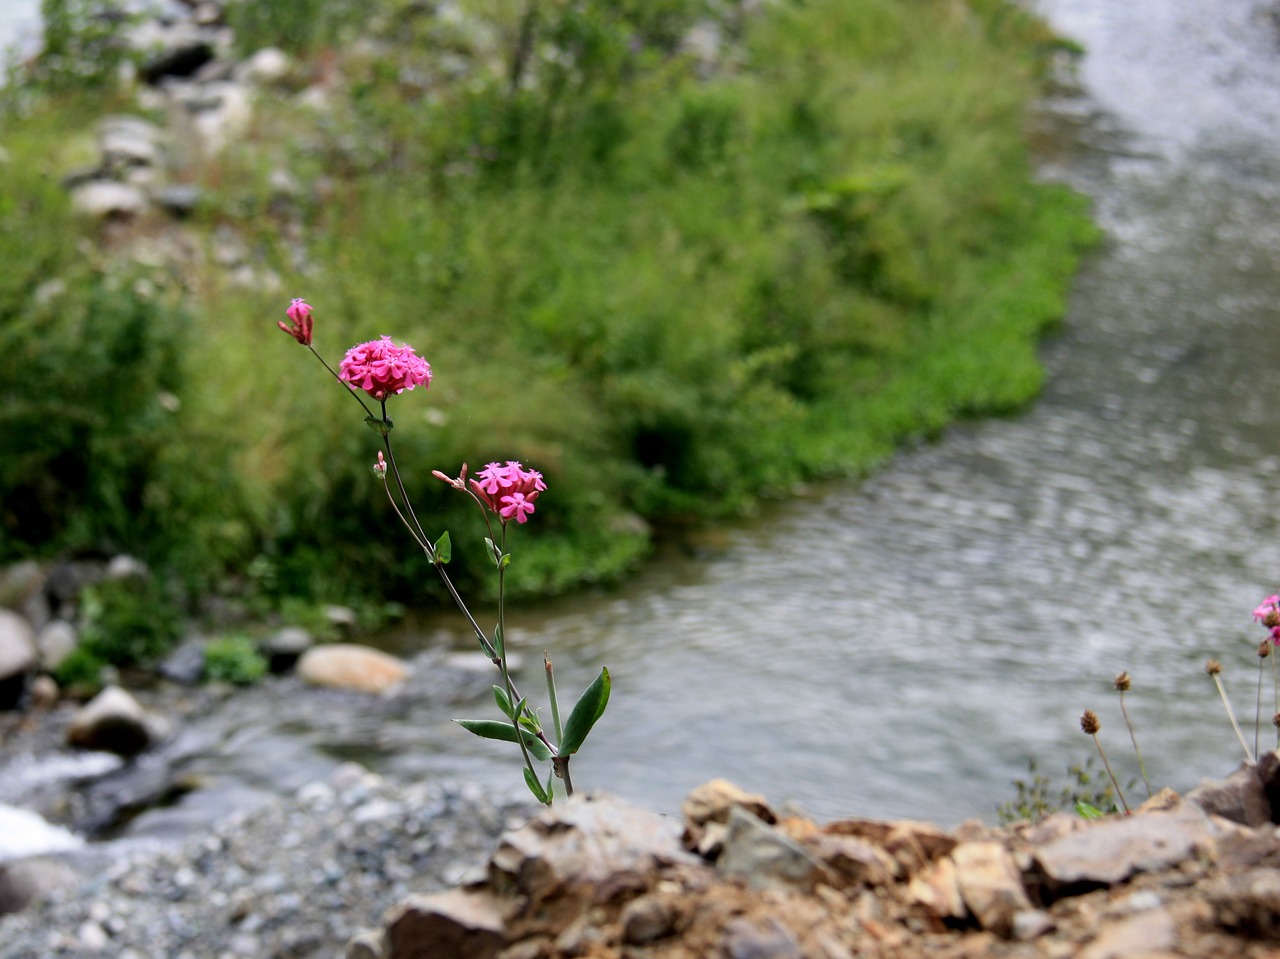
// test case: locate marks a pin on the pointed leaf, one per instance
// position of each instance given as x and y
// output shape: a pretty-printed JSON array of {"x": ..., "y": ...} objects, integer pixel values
[
  {"x": 586, "y": 711},
  {"x": 535, "y": 787},
  {"x": 502, "y": 699},
  {"x": 498, "y": 644},
  {"x": 444, "y": 549},
  {"x": 505, "y": 732},
  {"x": 381, "y": 427}
]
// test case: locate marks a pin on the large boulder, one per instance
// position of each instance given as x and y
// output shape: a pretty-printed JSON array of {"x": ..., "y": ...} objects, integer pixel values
[{"x": 349, "y": 666}]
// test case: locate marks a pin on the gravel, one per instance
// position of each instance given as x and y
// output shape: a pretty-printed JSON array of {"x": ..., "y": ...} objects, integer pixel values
[{"x": 293, "y": 878}]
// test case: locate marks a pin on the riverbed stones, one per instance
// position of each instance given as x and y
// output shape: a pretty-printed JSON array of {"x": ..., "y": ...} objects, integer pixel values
[
  {"x": 990, "y": 885},
  {"x": 351, "y": 666}
]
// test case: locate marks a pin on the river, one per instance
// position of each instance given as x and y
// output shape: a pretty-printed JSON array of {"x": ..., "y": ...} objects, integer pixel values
[{"x": 901, "y": 647}]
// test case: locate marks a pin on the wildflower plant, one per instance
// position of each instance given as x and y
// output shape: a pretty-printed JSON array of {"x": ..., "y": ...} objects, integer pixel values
[{"x": 504, "y": 492}]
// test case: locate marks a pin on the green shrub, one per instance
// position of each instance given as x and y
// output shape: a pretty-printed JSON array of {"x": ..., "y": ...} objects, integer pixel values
[
  {"x": 124, "y": 622},
  {"x": 233, "y": 659}
]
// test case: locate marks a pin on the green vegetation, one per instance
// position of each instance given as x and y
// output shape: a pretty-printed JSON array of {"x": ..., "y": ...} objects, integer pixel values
[
  {"x": 672, "y": 286},
  {"x": 127, "y": 622},
  {"x": 233, "y": 659}
]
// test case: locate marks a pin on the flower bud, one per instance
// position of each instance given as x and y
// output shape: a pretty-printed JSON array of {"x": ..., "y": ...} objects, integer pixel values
[
  {"x": 300, "y": 322},
  {"x": 1089, "y": 722},
  {"x": 1264, "y": 649}
]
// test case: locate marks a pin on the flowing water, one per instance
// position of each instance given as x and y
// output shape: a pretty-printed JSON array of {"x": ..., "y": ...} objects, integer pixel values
[{"x": 901, "y": 647}]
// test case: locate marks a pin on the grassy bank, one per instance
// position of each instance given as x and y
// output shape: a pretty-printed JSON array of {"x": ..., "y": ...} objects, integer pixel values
[{"x": 674, "y": 285}]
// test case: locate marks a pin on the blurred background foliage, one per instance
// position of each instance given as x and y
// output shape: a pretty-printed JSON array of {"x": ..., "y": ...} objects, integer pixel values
[{"x": 675, "y": 284}]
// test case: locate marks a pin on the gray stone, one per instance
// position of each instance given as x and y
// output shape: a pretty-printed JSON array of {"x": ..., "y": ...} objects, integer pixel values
[
  {"x": 1114, "y": 849},
  {"x": 1240, "y": 797},
  {"x": 586, "y": 847},
  {"x": 23, "y": 881},
  {"x": 113, "y": 721},
  {"x": 103, "y": 199},
  {"x": 18, "y": 652},
  {"x": 56, "y": 641},
  {"x": 129, "y": 141},
  {"x": 761, "y": 854},
  {"x": 283, "y": 647},
  {"x": 265, "y": 67},
  {"x": 185, "y": 663}
]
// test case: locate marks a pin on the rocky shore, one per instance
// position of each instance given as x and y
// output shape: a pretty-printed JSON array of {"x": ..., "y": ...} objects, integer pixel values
[{"x": 361, "y": 867}]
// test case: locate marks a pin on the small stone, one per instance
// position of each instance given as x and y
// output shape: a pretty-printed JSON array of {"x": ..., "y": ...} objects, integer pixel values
[
  {"x": 106, "y": 199},
  {"x": 348, "y": 666},
  {"x": 366, "y": 944},
  {"x": 1030, "y": 924},
  {"x": 770, "y": 940},
  {"x": 459, "y": 923},
  {"x": 761, "y": 854},
  {"x": 56, "y": 641},
  {"x": 1248, "y": 903},
  {"x": 1138, "y": 935},
  {"x": 990, "y": 885},
  {"x": 938, "y": 890},
  {"x": 91, "y": 937},
  {"x": 647, "y": 919},
  {"x": 44, "y": 692},
  {"x": 284, "y": 647}
]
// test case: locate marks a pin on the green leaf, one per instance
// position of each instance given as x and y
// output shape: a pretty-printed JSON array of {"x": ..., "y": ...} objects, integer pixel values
[
  {"x": 586, "y": 711},
  {"x": 502, "y": 699},
  {"x": 1088, "y": 811},
  {"x": 379, "y": 426},
  {"x": 498, "y": 646},
  {"x": 505, "y": 561},
  {"x": 444, "y": 549},
  {"x": 495, "y": 552},
  {"x": 535, "y": 787},
  {"x": 505, "y": 732}
]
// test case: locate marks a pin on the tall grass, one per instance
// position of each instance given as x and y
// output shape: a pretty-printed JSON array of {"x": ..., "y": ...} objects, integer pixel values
[{"x": 672, "y": 289}]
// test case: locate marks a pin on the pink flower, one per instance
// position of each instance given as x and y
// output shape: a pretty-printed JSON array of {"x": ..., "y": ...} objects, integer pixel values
[
  {"x": 509, "y": 490},
  {"x": 381, "y": 368},
  {"x": 300, "y": 323},
  {"x": 380, "y": 467},
  {"x": 1268, "y": 606}
]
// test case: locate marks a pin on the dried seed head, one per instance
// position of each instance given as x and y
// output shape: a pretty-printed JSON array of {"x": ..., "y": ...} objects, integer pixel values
[
  {"x": 1272, "y": 619},
  {"x": 1123, "y": 682},
  {"x": 1275, "y": 720},
  {"x": 1089, "y": 722},
  {"x": 1213, "y": 667},
  {"x": 1264, "y": 649}
]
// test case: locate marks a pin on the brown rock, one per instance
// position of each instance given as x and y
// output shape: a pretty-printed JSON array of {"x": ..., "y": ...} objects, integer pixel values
[
  {"x": 1114, "y": 849},
  {"x": 349, "y": 666},
  {"x": 648, "y": 918},
  {"x": 855, "y": 860},
  {"x": 938, "y": 890},
  {"x": 458, "y": 923},
  {"x": 1248, "y": 903},
  {"x": 912, "y": 844},
  {"x": 990, "y": 885},
  {"x": 1152, "y": 931},
  {"x": 770, "y": 939}
]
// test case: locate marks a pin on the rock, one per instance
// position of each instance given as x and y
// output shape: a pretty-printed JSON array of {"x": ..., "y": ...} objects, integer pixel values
[
  {"x": 1248, "y": 903},
  {"x": 937, "y": 888},
  {"x": 126, "y": 141},
  {"x": 18, "y": 656},
  {"x": 56, "y": 641},
  {"x": 185, "y": 663},
  {"x": 114, "y": 722},
  {"x": 855, "y": 860},
  {"x": 283, "y": 647},
  {"x": 1114, "y": 849},
  {"x": 1240, "y": 797},
  {"x": 366, "y": 944},
  {"x": 104, "y": 199},
  {"x": 459, "y": 923},
  {"x": 911, "y": 844},
  {"x": 265, "y": 67},
  {"x": 348, "y": 666},
  {"x": 769, "y": 939},
  {"x": 23, "y": 881},
  {"x": 178, "y": 199},
  {"x": 44, "y": 692},
  {"x": 763, "y": 855},
  {"x": 19, "y": 582},
  {"x": 1140, "y": 935},
  {"x": 123, "y": 566},
  {"x": 648, "y": 919},
  {"x": 586, "y": 849},
  {"x": 990, "y": 884}
]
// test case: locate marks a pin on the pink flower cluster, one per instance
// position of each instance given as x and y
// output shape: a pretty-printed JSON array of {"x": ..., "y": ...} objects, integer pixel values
[
  {"x": 381, "y": 368},
  {"x": 1268, "y": 614},
  {"x": 509, "y": 490}
]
